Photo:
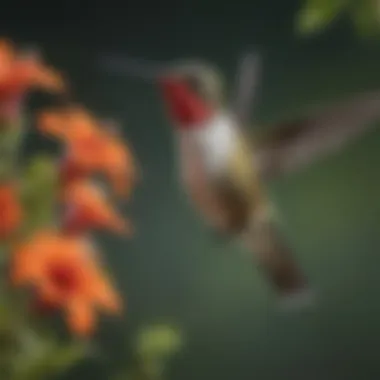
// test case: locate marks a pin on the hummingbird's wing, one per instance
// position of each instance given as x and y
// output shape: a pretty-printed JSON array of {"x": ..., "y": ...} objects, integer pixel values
[
  {"x": 294, "y": 145},
  {"x": 246, "y": 84}
]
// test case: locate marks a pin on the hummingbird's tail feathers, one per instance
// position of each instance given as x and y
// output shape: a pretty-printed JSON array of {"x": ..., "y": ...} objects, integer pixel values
[
  {"x": 281, "y": 269},
  {"x": 276, "y": 259}
]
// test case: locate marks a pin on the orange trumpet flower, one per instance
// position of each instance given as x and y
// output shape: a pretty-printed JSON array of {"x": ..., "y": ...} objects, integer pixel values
[
  {"x": 118, "y": 166},
  {"x": 19, "y": 73},
  {"x": 64, "y": 272},
  {"x": 7, "y": 54},
  {"x": 87, "y": 207},
  {"x": 83, "y": 158},
  {"x": 68, "y": 124},
  {"x": 91, "y": 148},
  {"x": 10, "y": 211},
  {"x": 104, "y": 154}
]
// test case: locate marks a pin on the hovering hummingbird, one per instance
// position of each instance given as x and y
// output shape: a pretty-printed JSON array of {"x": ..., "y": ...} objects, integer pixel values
[{"x": 224, "y": 170}]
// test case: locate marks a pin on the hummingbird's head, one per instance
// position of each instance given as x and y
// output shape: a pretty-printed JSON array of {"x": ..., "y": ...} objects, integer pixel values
[
  {"x": 191, "y": 90},
  {"x": 192, "y": 93},
  {"x": 202, "y": 79}
]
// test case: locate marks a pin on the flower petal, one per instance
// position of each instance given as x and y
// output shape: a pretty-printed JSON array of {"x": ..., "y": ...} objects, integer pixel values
[{"x": 80, "y": 317}]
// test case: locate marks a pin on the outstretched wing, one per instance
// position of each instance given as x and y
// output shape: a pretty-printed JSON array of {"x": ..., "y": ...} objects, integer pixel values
[
  {"x": 246, "y": 84},
  {"x": 294, "y": 145}
]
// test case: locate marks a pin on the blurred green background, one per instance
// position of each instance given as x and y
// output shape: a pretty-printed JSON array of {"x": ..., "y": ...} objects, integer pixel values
[{"x": 174, "y": 270}]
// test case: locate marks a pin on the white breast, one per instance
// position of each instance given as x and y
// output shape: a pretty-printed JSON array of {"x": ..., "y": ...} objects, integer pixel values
[{"x": 214, "y": 142}]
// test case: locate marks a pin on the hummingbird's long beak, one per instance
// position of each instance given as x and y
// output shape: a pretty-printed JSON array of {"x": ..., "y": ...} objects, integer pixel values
[{"x": 134, "y": 67}]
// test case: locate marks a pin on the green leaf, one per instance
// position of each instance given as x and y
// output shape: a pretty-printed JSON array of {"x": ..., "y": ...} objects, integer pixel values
[
  {"x": 39, "y": 193},
  {"x": 44, "y": 358},
  {"x": 158, "y": 341},
  {"x": 153, "y": 368},
  {"x": 65, "y": 357},
  {"x": 10, "y": 141},
  {"x": 40, "y": 176},
  {"x": 316, "y": 15},
  {"x": 124, "y": 375},
  {"x": 365, "y": 15},
  {"x": 4, "y": 249}
]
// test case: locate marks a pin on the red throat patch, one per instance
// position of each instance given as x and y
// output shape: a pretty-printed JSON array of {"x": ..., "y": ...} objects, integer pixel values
[{"x": 185, "y": 107}]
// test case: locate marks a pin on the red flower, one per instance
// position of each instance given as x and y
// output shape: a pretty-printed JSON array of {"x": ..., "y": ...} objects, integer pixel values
[
  {"x": 65, "y": 274},
  {"x": 90, "y": 149},
  {"x": 87, "y": 207},
  {"x": 10, "y": 211},
  {"x": 19, "y": 74}
]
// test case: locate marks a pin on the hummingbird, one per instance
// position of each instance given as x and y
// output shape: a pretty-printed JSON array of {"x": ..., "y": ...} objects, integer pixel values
[{"x": 223, "y": 167}]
